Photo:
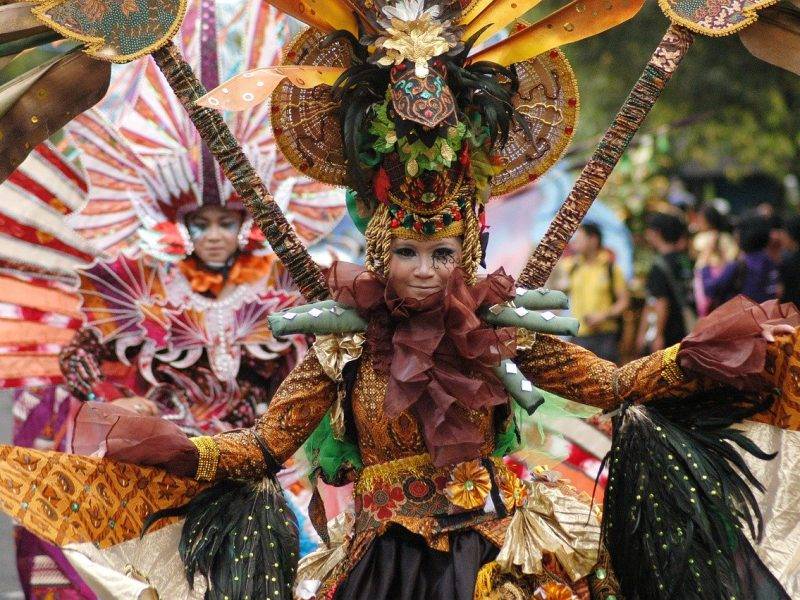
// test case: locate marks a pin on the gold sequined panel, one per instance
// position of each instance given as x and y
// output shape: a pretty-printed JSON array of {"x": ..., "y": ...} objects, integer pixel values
[
  {"x": 65, "y": 498},
  {"x": 577, "y": 374},
  {"x": 382, "y": 439},
  {"x": 295, "y": 411}
]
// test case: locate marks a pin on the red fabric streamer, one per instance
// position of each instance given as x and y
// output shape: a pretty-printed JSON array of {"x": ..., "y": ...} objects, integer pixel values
[{"x": 105, "y": 430}]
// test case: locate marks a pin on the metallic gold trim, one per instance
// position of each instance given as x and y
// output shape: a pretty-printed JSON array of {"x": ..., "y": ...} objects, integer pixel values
[{"x": 209, "y": 457}]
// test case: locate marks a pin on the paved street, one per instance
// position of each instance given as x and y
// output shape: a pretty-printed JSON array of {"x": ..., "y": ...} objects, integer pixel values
[{"x": 9, "y": 584}]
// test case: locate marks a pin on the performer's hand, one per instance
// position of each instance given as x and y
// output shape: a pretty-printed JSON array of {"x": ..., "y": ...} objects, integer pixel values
[
  {"x": 594, "y": 320},
  {"x": 81, "y": 370},
  {"x": 770, "y": 331},
  {"x": 137, "y": 404},
  {"x": 657, "y": 343}
]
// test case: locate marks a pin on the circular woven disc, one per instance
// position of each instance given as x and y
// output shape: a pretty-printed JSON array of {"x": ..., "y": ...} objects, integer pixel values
[
  {"x": 548, "y": 101},
  {"x": 308, "y": 131},
  {"x": 304, "y": 120}
]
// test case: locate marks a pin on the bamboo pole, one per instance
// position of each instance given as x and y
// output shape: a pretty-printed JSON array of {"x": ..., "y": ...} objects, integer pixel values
[
  {"x": 662, "y": 64},
  {"x": 237, "y": 168}
]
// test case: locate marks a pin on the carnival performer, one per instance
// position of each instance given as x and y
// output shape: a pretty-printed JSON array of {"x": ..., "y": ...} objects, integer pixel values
[{"x": 419, "y": 366}]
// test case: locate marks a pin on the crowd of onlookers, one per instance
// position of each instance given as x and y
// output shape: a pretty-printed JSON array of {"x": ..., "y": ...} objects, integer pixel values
[{"x": 699, "y": 262}]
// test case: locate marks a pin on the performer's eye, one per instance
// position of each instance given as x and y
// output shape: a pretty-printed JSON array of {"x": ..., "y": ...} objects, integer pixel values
[
  {"x": 405, "y": 252},
  {"x": 442, "y": 257},
  {"x": 230, "y": 225},
  {"x": 197, "y": 229}
]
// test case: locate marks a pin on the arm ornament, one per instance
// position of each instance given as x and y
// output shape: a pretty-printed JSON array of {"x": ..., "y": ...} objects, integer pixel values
[
  {"x": 670, "y": 369},
  {"x": 208, "y": 452}
]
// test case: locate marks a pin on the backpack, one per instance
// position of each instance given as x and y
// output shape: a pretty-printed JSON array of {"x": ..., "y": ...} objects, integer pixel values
[{"x": 687, "y": 312}]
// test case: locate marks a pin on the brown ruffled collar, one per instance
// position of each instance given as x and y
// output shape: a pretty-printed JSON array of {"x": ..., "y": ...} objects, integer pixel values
[{"x": 437, "y": 352}]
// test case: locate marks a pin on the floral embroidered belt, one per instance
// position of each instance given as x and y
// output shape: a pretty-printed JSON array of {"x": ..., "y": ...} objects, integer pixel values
[{"x": 411, "y": 489}]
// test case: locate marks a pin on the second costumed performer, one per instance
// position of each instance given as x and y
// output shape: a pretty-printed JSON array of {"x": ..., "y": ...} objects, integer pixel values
[{"x": 411, "y": 388}]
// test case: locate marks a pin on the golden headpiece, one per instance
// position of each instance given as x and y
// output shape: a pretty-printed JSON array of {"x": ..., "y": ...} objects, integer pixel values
[{"x": 387, "y": 98}]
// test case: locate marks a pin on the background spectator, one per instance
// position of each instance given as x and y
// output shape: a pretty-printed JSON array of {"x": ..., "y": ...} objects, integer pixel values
[
  {"x": 598, "y": 293},
  {"x": 753, "y": 273},
  {"x": 669, "y": 312},
  {"x": 790, "y": 268},
  {"x": 713, "y": 248}
]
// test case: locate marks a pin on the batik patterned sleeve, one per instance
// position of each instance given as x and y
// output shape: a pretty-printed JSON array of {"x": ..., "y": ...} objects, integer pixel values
[
  {"x": 575, "y": 373},
  {"x": 298, "y": 406}
]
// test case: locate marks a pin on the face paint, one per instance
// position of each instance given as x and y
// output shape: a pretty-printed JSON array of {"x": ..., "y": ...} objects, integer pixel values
[
  {"x": 214, "y": 232},
  {"x": 421, "y": 268}
]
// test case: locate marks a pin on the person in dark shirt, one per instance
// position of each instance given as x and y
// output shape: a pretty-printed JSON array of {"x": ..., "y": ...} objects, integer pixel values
[
  {"x": 754, "y": 273},
  {"x": 669, "y": 313},
  {"x": 790, "y": 268}
]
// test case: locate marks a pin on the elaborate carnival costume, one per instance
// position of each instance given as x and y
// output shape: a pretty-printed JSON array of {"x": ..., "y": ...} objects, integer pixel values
[
  {"x": 413, "y": 400},
  {"x": 148, "y": 318}
]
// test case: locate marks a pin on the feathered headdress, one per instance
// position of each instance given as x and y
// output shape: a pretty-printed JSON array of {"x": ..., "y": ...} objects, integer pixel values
[{"x": 390, "y": 99}]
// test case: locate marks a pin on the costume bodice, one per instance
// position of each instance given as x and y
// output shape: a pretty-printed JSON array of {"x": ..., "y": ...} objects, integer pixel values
[{"x": 382, "y": 439}]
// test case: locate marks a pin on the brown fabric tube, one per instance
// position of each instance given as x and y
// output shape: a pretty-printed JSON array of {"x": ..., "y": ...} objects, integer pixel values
[
  {"x": 105, "y": 430},
  {"x": 729, "y": 345}
]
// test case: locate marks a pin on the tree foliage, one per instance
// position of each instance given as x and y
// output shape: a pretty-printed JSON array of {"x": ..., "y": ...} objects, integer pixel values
[{"x": 724, "y": 110}]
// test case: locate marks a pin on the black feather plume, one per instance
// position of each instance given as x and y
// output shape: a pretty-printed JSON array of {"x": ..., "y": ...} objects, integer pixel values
[
  {"x": 678, "y": 495},
  {"x": 242, "y": 537}
]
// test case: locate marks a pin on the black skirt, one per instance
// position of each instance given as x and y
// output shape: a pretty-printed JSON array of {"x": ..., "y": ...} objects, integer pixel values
[{"x": 399, "y": 565}]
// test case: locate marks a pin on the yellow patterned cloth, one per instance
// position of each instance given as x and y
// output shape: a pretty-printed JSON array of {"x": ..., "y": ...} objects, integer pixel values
[
  {"x": 94, "y": 509},
  {"x": 64, "y": 498}
]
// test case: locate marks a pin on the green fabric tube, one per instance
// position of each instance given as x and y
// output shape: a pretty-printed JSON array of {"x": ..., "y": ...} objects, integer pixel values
[
  {"x": 319, "y": 318},
  {"x": 541, "y": 299},
  {"x": 545, "y": 322},
  {"x": 328, "y": 316},
  {"x": 518, "y": 387}
]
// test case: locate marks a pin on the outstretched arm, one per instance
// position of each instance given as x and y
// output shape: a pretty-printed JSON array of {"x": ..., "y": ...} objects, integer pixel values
[
  {"x": 741, "y": 345},
  {"x": 300, "y": 403},
  {"x": 575, "y": 373}
]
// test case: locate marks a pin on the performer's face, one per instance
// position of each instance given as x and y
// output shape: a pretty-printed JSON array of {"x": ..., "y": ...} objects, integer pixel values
[
  {"x": 418, "y": 269},
  {"x": 214, "y": 232}
]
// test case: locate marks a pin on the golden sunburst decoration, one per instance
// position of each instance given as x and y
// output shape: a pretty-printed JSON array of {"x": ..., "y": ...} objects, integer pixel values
[{"x": 469, "y": 485}]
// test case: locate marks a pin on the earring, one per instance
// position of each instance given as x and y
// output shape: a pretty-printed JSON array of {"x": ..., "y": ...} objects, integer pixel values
[{"x": 244, "y": 233}]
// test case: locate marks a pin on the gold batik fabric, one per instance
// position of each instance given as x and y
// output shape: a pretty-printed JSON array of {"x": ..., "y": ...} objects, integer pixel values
[
  {"x": 94, "y": 510},
  {"x": 575, "y": 373},
  {"x": 782, "y": 371},
  {"x": 298, "y": 406},
  {"x": 419, "y": 496},
  {"x": 382, "y": 439}
]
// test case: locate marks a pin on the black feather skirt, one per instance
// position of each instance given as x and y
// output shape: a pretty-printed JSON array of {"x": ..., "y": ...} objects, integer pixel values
[
  {"x": 399, "y": 565},
  {"x": 678, "y": 497}
]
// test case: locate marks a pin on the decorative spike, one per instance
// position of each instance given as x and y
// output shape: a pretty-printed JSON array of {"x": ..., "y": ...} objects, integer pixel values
[
  {"x": 577, "y": 20},
  {"x": 496, "y": 16},
  {"x": 325, "y": 15}
]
